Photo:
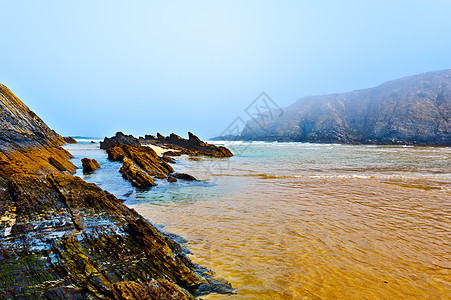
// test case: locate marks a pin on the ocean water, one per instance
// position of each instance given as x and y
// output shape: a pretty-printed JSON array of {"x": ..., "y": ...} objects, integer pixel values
[{"x": 307, "y": 221}]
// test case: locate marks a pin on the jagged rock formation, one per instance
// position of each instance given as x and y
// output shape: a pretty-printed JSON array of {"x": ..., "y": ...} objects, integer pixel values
[
  {"x": 70, "y": 140},
  {"x": 27, "y": 144},
  {"x": 64, "y": 238},
  {"x": 413, "y": 110},
  {"x": 137, "y": 176},
  {"x": 191, "y": 146},
  {"x": 140, "y": 163},
  {"x": 119, "y": 138},
  {"x": 89, "y": 165}
]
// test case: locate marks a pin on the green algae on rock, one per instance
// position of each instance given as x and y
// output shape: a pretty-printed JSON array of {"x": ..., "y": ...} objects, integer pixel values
[{"x": 81, "y": 240}]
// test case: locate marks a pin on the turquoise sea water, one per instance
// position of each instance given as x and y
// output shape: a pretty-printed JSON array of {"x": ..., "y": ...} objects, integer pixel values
[{"x": 306, "y": 221}]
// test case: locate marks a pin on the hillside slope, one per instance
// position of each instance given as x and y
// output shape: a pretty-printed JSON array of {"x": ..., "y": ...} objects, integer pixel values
[{"x": 411, "y": 110}]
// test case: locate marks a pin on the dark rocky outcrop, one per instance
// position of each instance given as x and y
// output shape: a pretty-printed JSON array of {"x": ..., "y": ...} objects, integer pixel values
[
  {"x": 70, "y": 140},
  {"x": 183, "y": 176},
  {"x": 191, "y": 146},
  {"x": 64, "y": 238},
  {"x": 141, "y": 164},
  {"x": 89, "y": 165},
  {"x": 172, "y": 179},
  {"x": 119, "y": 138},
  {"x": 413, "y": 110}
]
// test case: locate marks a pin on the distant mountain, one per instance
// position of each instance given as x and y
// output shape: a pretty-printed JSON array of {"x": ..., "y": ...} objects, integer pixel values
[{"x": 411, "y": 110}]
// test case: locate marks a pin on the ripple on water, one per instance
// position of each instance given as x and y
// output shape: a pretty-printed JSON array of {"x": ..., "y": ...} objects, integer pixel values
[{"x": 310, "y": 221}]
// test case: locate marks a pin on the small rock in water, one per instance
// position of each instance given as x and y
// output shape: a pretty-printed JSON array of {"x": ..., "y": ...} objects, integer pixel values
[
  {"x": 70, "y": 140},
  {"x": 172, "y": 179},
  {"x": 184, "y": 176},
  {"x": 89, "y": 165}
]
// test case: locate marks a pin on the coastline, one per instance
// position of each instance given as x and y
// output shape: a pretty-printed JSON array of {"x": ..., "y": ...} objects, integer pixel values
[{"x": 65, "y": 238}]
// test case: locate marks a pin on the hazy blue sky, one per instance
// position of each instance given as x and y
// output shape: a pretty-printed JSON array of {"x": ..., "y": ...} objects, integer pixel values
[{"x": 95, "y": 67}]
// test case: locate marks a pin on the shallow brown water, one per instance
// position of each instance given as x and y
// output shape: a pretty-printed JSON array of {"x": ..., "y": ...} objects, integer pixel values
[
  {"x": 313, "y": 238},
  {"x": 308, "y": 221}
]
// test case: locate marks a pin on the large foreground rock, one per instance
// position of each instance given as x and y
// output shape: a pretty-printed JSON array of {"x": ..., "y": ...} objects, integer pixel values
[
  {"x": 64, "y": 238},
  {"x": 27, "y": 144},
  {"x": 67, "y": 238}
]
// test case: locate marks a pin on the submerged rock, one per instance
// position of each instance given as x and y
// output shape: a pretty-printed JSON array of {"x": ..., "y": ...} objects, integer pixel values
[
  {"x": 119, "y": 138},
  {"x": 89, "y": 165},
  {"x": 184, "y": 176}
]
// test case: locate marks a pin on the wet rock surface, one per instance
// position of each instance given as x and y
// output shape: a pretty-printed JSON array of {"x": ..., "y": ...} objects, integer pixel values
[
  {"x": 191, "y": 146},
  {"x": 64, "y": 238},
  {"x": 140, "y": 164},
  {"x": 136, "y": 175},
  {"x": 89, "y": 165},
  {"x": 70, "y": 237}
]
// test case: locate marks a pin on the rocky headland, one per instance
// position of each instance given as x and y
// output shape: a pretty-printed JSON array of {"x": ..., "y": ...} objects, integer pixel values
[
  {"x": 64, "y": 238},
  {"x": 414, "y": 110}
]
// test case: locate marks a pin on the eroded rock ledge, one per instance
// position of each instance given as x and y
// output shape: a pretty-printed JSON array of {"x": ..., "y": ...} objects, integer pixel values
[
  {"x": 191, "y": 146},
  {"x": 141, "y": 164},
  {"x": 63, "y": 236}
]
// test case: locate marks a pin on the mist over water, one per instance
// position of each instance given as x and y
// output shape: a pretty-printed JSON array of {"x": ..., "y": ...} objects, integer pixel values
[{"x": 313, "y": 221}]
